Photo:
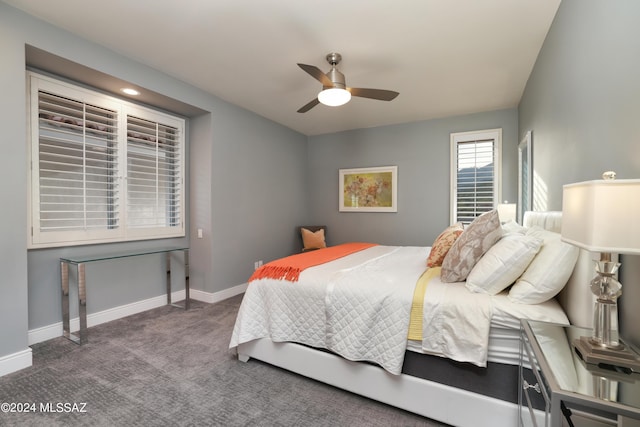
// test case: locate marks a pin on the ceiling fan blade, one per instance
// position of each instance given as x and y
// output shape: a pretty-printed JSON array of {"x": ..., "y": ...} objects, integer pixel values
[
  {"x": 379, "y": 94},
  {"x": 317, "y": 74},
  {"x": 309, "y": 106}
]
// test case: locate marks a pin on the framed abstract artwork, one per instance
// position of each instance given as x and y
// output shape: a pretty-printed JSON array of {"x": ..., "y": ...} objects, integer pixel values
[{"x": 369, "y": 189}]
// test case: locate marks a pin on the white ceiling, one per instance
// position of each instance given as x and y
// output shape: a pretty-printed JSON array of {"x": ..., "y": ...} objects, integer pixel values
[{"x": 445, "y": 57}]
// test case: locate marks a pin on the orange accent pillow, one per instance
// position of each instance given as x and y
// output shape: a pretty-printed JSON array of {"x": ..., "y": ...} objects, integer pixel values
[
  {"x": 443, "y": 243},
  {"x": 313, "y": 240}
]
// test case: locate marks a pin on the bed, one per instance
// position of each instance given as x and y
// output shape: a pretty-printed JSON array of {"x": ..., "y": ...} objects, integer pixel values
[{"x": 328, "y": 324}]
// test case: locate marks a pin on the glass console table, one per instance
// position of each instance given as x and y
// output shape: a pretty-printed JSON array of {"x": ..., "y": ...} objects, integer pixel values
[
  {"x": 80, "y": 261},
  {"x": 575, "y": 393}
]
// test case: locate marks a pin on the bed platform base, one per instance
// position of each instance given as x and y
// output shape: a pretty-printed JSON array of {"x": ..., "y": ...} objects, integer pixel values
[{"x": 430, "y": 399}]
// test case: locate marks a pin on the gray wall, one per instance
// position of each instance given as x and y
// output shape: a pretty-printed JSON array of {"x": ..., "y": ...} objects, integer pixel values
[
  {"x": 237, "y": 162},
  {"x": 582, "y": 103},
  {"x": 421, "y": 151},
  {"x": 13, "y": 189},
  {"x": 251, "y": 180}
]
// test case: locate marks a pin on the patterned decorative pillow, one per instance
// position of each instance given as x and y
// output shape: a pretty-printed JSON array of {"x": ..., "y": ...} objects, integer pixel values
[
  {"x": 476, "y": 239},
  {"x": 443, "y": 243},
  {"x": 313, "y": 240}
]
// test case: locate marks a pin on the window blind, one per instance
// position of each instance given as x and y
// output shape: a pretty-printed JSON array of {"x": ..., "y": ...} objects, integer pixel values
[
  {"x": 78, "y": 165},
  {"x": 475, "y": 173},
  {"x": 475, "y": 178},
  {"x": 153, "y": 174}
]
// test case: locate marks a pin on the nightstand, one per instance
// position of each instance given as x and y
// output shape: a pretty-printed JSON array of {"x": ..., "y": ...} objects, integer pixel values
[{"x": 587, "y": 395}]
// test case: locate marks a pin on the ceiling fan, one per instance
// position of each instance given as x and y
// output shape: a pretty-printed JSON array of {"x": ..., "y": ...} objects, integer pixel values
[{"x": 334, "y": 89}]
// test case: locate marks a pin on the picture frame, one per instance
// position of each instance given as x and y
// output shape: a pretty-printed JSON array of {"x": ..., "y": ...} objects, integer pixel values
[
  {"x": 373, "y": 189},
  {"x": 525, "y": 175}
]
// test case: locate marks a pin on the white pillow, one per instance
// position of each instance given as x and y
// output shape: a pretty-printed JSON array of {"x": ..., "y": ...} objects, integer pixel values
[
  {"x": 512, "y": 227},
  {"x": 548, "y": 272},
  {"x": 503, "y": 263}
]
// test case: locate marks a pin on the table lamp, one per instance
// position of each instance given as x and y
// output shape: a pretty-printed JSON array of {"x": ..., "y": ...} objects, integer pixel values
[
  {"x": 604, "y": 216},
  {"x": 506, "y": 211}
]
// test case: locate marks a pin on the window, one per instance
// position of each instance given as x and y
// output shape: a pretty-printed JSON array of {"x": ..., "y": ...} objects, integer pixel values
[
  {"x": 102, "y": 169},
  {"x": 475, "y": 173}
]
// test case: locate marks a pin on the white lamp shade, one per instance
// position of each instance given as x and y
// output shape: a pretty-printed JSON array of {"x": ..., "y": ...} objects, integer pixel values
[
  {"x": 334, "y": 97},
  {"x": 506, "y": 212},
  {"x": 602, "y": 215}
]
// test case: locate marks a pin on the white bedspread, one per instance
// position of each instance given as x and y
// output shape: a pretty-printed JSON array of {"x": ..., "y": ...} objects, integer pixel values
[
  {"x": 456, "y": 322},
  {"x": 357, "y": 306}
]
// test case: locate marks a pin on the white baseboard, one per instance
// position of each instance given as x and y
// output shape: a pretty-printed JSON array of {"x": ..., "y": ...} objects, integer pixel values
[
  {"x": 15, "y": 362},
  {"x": 55, "y": 330},
  {"x": 211, "y": 298}
]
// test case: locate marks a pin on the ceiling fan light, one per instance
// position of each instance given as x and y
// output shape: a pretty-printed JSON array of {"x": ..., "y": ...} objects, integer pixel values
[{"x": 334, "y": 97}]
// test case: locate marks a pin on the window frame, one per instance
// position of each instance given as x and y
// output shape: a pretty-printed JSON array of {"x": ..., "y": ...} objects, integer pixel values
[
  {"x": 38, "y": 238},
  {"x": 525, "y": 176},
  {"x": 457, "y": 138}
]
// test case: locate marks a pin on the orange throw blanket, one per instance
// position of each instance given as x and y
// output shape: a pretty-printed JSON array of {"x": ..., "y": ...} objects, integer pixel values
[{"x": 289, "y": 268}]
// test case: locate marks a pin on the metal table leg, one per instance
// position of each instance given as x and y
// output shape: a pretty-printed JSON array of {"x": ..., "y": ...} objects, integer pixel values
[
  {"x": 82, "y": 303},
  {"x": 81, "y": 338},
  {"x": 168, "y": 258},
  {"x": 187, "y": 300},
  {"x": 64, "y": 281}
]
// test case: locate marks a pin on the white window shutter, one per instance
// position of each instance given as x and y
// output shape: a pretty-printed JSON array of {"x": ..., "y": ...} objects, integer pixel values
[
  {"x": 102, "y": 169},
  {"x": 475, "y": 174},
  {"x": 154, "y": 171},
  {"x": 77, "y": 167}
]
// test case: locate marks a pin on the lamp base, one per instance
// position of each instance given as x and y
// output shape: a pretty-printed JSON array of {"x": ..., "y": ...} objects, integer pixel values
[{"x": 625, "y": 358}]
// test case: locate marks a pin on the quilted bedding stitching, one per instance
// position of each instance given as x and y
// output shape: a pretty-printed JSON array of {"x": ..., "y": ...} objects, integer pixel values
[{"x": 360, "y": 312}]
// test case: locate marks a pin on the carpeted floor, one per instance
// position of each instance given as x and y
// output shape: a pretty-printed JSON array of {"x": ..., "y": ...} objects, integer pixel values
[{"x": 170, "y": 367}]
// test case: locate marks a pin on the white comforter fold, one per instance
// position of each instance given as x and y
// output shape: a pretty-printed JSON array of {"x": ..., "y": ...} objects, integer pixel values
[
  {"x": 357, "y": 306},
  {"x": 368, "y": 308},
  {"x": 456, "y": 322}
]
